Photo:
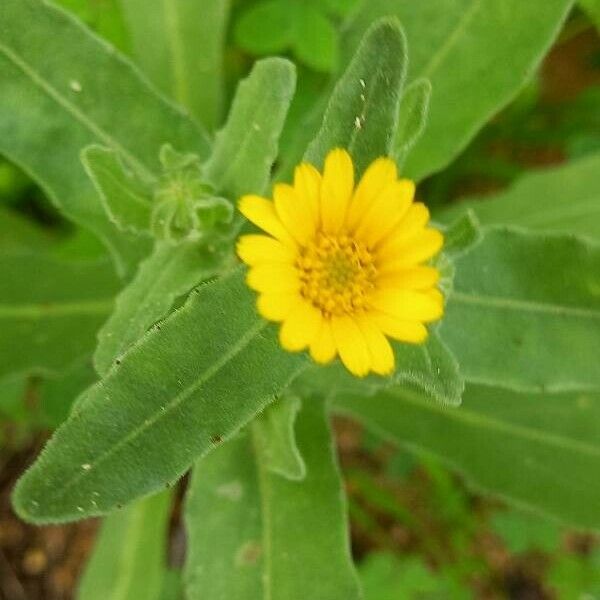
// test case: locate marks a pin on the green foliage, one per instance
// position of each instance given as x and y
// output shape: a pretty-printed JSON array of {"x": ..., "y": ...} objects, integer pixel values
[
  {"x": 524, "y": 312},
  {"x": 523, "y": 532},
  {"x": 537, "y": 450},
  {"x": 38, "y": 100},
  {"x": 50, "y": 309},
  {"x": 189, "y": 384},
  {"x": 283, "y": 539},
  {"x": 363, "y": 108},
  {"x": 128, "y": 560},
  {"x": 476, "y": 54},
  {"x": 565, "y": 199},
  {"x": 179, "y": 44}
]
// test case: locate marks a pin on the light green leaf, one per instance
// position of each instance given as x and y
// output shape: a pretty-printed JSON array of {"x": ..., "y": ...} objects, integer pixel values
[
  {"x": 254, "y": 534},
  {"x": 168, "y": 273},
  {"x": 274, "y": 432},
  {"x": 50, "y": 310},
  {"x": 412, "y": 120},
  {"x": 60, "y": 86},
  {"x": 129, "y": 556},
  {"x": 363, "y": 109},
  {"x": 125, "y": 198},
  {"x": 565, "y": 199},
  {"x": 477, "y": 54},
  {"x": 246, "y": 148},
  {"x": 525, "y": 312},
  {"x": 179, "y": 45},
  {"x": 539, "y": 451},
  {"x": 188, "y": 384},
  {"x": 461, "y": 235},
  {"x": 265, "y": 28}
]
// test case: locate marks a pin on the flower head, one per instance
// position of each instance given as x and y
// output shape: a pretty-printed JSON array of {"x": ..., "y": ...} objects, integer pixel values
[{"x": 342, "y": 265}]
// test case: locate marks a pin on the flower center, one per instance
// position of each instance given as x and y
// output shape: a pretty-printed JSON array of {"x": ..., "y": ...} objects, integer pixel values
[{"x": 336, "y": 274}]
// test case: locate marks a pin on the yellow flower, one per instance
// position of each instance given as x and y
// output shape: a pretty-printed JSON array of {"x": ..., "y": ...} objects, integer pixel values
[{"x": 342, "y": 267}]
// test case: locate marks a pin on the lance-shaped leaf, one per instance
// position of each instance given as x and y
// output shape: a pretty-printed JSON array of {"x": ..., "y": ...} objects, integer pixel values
[
  {"x": 525, "y": 312},
  {"x": 129, "y": 558},
  {"x": 414, "y": 111},
  {"x": 127, "y": 199},
  {"x": 60, "y": 86},
  {"x": 179, "y": 45},
  {"x": 51, "y": 309},
  {"x": 187, "y": 385},
  {"x": 275, "y": 433},
  {"x": 537, "y": 450},
  {"x": 477, "y": 54},
  {"x": 246, "y": 148},
  {"x": 565, "y": 199},
  {"x": 169, "y": 272},
  {"x": 363, "y": 109},
  {"x": 254, "y": 534}
]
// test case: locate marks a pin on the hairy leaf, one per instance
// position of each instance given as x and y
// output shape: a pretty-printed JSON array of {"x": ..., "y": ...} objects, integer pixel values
[
  {"x": 363, "y": 109},
  {"x": 246, "y": 148},
  {"x": 187, "y": 385},
  {"x": 565, "y": 199},
  {"x": 169, "y": 272},
  {"x": 256, "y": 535},
  {"x": 179, "y": 45},
  {"x": 477, "y": 54},
  {"x": 414, "y": 112},
  {"x": 274, "y": 432},
  {"x": 537, "y": 450},
  {"x": 60, "y": 86},
  {"x": 50, "y": 310},
  {"x": 129, "y": 555},
  {"x": 525, "y": 312}
]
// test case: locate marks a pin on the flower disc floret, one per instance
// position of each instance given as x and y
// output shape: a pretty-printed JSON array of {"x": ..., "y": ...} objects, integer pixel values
[{"x": 344, "y": 268}]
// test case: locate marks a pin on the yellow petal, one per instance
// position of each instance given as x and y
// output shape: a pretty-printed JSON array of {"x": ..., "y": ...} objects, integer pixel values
[
  {"x": 300, "y": 327},
  {"x": 296, "y": 217},
  {"x": 254, "y": 249},
  {"x": 414, "y": 221},
  {"x": 336, "y": 190},
  {"x": 261, "y": 212},
  {"x": 386, "y": 212},
  {"x": 403, "y": 331},
  {"x": 377, "y": 177},
  {"x": 307, "y": 183},
  {"x": 273, "y": 278},
  {"x": 382, "y": 355},
  {"x": 351, "y": 345},
  {"x": 407, "y": 305},
  {"x": 412, "y": 278},
  {"x": 322, "y": 348},
  {"x": 416, "y": 250},
  {"x": 275, "y": 306}
]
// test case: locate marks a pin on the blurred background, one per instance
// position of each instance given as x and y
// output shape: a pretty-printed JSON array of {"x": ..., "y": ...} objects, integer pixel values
[{"x": 417, "y": 530}]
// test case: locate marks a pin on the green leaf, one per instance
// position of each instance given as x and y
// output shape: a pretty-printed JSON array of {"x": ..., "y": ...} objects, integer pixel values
[
  {"x": 168, "y": 273},
  {"x": 254, "y": 534},
  {"x": 363, "y": 109},
  {"x": 525, "y": 312},
  {"x": 565, "y": 199},
  {"x": 461, "y": 236},
  {"x": 592, "y": 8},
  {"x": 265, "y": 28},
  {"x": 19, "y": 233},
  {"x": 477, "y": 55},
  {"x": 179, "y": 44},
  {"x": 125, "y": 198},
  {"x": 538, "y": 450},
  {"x": 246, "y": 148},
  {"x": 274, "y": 432},
  {"x": 315, "y": 39},
  {"x": 412, "y": 119},
  {"x": 522, "y": 532},
  {"x": 188, "y": 384},
  {"x": 50, "y": 310},
  {"x": 60, "y": 86},
  {"x": 129, "y": 556}
]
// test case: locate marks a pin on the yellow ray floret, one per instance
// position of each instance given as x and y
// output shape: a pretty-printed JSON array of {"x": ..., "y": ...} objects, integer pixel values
[{"x": 343, "y": 266}]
